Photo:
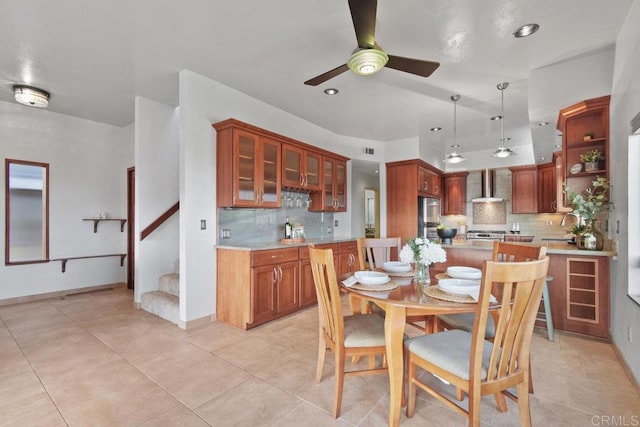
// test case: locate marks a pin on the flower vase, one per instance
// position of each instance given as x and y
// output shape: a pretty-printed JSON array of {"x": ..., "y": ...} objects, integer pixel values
[
  {"x": 422, "y": 274},
  {"x": 590, "y": 238}
]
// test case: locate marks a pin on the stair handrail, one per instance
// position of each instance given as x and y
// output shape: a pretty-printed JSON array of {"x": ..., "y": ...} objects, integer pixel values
[{"x": 159, "y": 221}]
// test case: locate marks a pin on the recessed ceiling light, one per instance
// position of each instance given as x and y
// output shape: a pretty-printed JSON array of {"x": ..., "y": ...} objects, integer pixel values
[
  {"x": 506, "y": 138},
  {"x": 31, "y": 96},
  {"x": 331, "y": 91},
  {"x": 543, "y": 124},
  {"x": 436, "y": 129},
  {"x": 557, "y": 146},
  {"x": 496, "y": 118},
  {"x": 526, "y": 30},
  {"x": 542, "y": 158}
]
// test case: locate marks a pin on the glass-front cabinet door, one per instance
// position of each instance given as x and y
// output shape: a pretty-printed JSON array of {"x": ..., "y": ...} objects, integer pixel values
[
  {"x": 245, "y": 156},
  {"x": 301, "y": 168},
  {"x": 328, "y": 185},
  {"x": 313, "y": 172},
  {"x": 269, "y": 193},
  {"x": 340, "y": 195}
]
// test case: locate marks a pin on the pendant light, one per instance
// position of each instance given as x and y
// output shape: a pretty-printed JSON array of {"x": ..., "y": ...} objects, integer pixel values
[
  {"x": 454, "y": 157},
  {"x": 502, "y": 151}
]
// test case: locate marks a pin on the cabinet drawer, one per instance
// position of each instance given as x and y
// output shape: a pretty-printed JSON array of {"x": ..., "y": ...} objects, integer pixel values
[
  {"x": 348, "y": 247},
  {"x": 273, "y": 256},
  {"x": 304, "y": 250}
]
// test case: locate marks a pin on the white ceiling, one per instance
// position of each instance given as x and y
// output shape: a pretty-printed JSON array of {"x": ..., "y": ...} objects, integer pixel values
[{"x": 95, "y": 57}]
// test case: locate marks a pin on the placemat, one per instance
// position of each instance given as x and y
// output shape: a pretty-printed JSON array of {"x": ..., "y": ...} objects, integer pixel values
[
  {"x": 375, "y": 288},
  {"x": 440, "y": 276},
  {"x": 436, "y": 292},
  {"x": 405, "y": 274}
]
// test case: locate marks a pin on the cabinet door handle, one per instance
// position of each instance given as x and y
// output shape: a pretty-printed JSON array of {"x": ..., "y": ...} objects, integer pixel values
[
  {"x": 274, "y": 276},
  {"x": 279, "y": 274}
]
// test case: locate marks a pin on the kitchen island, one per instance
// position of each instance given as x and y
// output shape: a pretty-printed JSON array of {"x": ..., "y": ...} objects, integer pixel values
[{"x": 579, "y": 290}]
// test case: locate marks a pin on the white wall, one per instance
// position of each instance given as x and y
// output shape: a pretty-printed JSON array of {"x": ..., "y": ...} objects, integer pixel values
[
  {"x": 625, "y": 104},
  {"x": 157, "y": 189},
  {"x": 88, "y": 174}
]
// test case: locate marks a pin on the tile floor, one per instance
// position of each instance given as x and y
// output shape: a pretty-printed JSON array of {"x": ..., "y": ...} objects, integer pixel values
[{"x": 94, "y": 360}]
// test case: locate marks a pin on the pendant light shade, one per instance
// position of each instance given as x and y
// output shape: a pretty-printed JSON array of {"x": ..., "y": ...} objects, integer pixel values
[
  {"x": 502, "y": 151},
  {"x": 31, "y": 96},
  {"x": 454, "y": 157},
  {"x": 367, "y": 61}
]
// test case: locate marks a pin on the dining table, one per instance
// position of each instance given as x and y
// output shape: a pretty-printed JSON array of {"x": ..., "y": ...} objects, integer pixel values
[{"x": 406, "y": 299}]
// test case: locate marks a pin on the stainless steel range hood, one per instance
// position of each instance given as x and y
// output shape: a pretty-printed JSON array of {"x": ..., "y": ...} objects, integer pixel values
[{"x": 488, "y": 188}]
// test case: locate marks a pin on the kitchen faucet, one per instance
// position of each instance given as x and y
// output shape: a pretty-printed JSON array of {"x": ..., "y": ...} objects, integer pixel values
[{"x": 575, "y": 215}]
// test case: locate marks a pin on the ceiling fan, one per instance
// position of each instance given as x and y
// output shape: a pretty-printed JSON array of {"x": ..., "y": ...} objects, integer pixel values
[{"x": 369, "y": 57}]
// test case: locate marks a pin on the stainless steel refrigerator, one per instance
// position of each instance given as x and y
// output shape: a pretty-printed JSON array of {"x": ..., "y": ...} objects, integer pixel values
[{"x": 428, "y": 217}]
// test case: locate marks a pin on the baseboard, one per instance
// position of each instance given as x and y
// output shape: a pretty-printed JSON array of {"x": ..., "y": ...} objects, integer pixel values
[
  {"x": 625, "y": 366},
  {"x": 58, "y": 294},
  {"x": 197, "y": 322}
]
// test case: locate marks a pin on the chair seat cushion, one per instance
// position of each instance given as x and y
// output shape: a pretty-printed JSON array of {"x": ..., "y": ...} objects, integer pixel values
[
  {"x": 363, "y": 330},
  {"x": 449, "y": 350},
  {"x": 464, "y": 321}
]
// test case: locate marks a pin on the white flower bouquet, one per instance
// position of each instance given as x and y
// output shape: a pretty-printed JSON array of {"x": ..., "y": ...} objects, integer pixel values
[{"x": 422, "y": 251}]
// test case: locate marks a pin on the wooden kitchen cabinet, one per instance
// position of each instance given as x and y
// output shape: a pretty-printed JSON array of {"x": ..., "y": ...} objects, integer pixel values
[
  {"x": 455, "y": 193},
  {"x": 429, "y": 182},
  {"x": 347, "y": 258},
  {"x": 333, "y": 195},
  {"x": 307, "y": 287},
  {"x": 403, "y": 179},
  {"x": 584, "y": 127},
  {"x": 546, "y": 188},
  {"x": 524, "y": 189},
  {"x": 254, "y": 287},
  {"x": 301, "y": 168},
  {"x": 248, "y": 166}
]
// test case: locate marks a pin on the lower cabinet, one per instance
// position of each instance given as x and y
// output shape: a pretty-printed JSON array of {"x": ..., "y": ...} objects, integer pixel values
[{"x": 255, "y": 287}]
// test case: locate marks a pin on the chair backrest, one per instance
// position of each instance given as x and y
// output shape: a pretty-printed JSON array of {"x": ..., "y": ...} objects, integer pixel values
[
  {"x": 328, "y": 292},
  {"x": 376, "y": 251},
  {"x": 510, "y": 252},
  {"x": 521, "y": 284}
]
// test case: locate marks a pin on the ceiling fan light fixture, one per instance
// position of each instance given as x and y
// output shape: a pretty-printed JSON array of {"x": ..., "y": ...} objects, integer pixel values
[
  {"x": 367, "y": 61},
  {"x": 526, "y": 30},
  {"x": 31, "y": 96}
]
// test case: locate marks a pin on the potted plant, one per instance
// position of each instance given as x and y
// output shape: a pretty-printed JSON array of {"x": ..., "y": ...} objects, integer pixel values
[
  {"x": 588, "y": 136},
  {"x": 592, "y": 159},
  {"x": 588, "y": 205}
]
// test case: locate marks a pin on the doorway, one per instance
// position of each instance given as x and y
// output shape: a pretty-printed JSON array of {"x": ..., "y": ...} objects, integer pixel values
[
  {"x": 371, "y": 213},
  {"x": 131, "y": 214}
]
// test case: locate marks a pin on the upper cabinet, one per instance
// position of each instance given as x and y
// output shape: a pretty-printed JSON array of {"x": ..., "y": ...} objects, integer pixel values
[
  {"x": 550, "y": 181},
  {"x": 301, "y": 168},
  {"x": 585, "y": 128},
  {"x": 253, "y": 164},
  {"x": 248, "y": 167},
  {"x": 429, "y": 182},
  {"x": 455, "y": 193},
  {"x": 333, "y": 196},
  {"x": 524, "y": 189}
]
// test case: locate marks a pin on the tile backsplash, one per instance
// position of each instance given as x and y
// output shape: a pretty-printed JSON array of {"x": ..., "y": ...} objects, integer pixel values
[{"x": 267, "y": 225}]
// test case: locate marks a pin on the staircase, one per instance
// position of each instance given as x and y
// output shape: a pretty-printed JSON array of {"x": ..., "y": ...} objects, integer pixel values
[{"x": 164, "y": 302}]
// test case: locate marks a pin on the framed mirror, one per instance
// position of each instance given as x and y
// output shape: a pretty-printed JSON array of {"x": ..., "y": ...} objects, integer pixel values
[{"x": 26, "y": 212}]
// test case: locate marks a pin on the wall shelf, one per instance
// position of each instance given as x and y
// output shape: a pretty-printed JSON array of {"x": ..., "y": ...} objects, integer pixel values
[
  {"x": 97, "y": 220},
  {"x": 64, "y": 260}
]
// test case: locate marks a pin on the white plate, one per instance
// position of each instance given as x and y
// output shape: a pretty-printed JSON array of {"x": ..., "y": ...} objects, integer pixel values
[
  {"x": 458, "y": 286},
  {"x": 397, "y": 266},
  {"x": 577, "y": 168},
  {"x": 464, "y": 272},
  {"x": 371, "y": 277}
]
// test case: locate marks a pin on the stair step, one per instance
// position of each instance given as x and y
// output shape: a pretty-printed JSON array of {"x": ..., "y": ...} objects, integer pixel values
[
  {"x": 170, "y": 283},
  {"x": 161, "y": 304}
]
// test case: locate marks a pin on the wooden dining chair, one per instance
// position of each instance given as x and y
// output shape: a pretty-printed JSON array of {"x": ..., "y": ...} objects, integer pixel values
[
  {"x": 503, "y": 252},
  {"x": 377, "y": 251},
  {"x": 346, "y": 336},
  {"x": 468, "y": 361}
]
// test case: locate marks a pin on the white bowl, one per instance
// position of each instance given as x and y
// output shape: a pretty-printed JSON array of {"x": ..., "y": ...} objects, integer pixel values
[
  {"x": 371, "y": 277},
  {"x": 397, "y": 266},
  {"x": 458, "y": 286},
  {"x": 464, "y": 273}
]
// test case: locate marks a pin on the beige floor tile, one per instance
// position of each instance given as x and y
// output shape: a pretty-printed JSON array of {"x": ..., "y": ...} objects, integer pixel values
[
  {"x": 13, "y": 363},
  {"x": 249, "y": 351},
  {"x": 252, "y": 403},
  {"x": 19, "y": 386},
  {"x": 217, "y": 337},
  {"x": 310, "y": 416},
  {"x": 33, "y": 411},
  {"x": 178, "y": 416}
]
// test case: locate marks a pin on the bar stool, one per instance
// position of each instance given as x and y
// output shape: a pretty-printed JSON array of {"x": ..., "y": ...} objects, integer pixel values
[{"x": 545, "y": 316}]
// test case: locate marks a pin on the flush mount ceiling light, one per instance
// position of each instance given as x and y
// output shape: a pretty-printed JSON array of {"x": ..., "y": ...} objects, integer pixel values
[
  {"x": 331, "y": 91},
  {"x": 454, "y": 157},
  {"x": 367, "y": 61},
  {"x": 526, "y": 30},
  {"x": 31, "y": 96},
  {"x": 502, "y": 151}
]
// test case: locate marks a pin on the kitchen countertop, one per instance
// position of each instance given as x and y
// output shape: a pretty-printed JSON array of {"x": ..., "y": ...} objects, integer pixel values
[
  {"x": 553, "y": 247},
  {"x": 257, "y": 246}
]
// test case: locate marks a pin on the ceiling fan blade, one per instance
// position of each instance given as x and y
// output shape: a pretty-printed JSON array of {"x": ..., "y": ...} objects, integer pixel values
[
  {"x": 363, "y": 15},
  {"x": 326, "y": 76},
  {"x": 413, "y": 66}
]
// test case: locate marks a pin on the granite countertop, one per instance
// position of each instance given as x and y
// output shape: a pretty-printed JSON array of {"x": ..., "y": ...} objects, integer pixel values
[
  {"x": 553, "y": 247},
  {"x": 257, "y": 246}
]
